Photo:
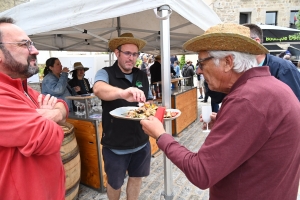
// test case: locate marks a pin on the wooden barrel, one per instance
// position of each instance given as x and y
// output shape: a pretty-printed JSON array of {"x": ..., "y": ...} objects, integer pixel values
[{"x": 69, "y": 152}]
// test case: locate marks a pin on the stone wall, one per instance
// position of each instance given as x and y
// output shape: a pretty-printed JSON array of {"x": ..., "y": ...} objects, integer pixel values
[
  {"x": 7, "y": 4},
  {"x": 229, "y": 10}
]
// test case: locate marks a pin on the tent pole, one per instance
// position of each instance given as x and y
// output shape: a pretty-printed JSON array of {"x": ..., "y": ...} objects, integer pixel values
[
  {"x": 119, "y": 26},
  {"x": 166, "y": 91}
]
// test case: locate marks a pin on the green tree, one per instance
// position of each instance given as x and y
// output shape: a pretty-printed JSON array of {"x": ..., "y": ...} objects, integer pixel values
[
  {"x": 298, "y": 20},
  {"x": 138, "y": 62},
  {"x": 182, "y": 61}
]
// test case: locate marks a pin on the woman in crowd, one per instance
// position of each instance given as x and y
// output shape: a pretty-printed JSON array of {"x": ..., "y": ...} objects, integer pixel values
[
  {"x": 80, "y": 84},
  {"x": 55, "y": 81}
]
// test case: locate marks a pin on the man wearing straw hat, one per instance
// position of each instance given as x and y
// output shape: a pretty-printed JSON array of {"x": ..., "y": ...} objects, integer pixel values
[
  {"x": 30, "y": 138},
  {"x": 252, "y": 150},
  {"x": 125, "y": 145}
]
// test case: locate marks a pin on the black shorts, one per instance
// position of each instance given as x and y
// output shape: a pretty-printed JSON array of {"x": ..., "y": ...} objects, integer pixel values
[{"x": 137, "y": 164}]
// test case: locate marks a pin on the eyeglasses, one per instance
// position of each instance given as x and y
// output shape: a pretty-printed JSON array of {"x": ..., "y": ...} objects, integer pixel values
[
  {"x": 204, "y": 59},
  {"x": 29, "y": 44},
  {"x": 128, "y": 53}
]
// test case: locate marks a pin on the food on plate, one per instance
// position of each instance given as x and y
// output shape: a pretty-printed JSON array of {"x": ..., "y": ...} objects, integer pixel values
[{"x": 148, "y": 110}]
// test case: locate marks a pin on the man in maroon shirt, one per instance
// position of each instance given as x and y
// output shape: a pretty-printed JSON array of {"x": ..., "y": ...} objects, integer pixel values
[{"x": 252, "y": 151}]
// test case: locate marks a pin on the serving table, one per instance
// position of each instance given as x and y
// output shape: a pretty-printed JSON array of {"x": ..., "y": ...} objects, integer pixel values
[
  {"x": 88, "y": 132},
  {"x": 175, "y": 81},
  {"x": 184, "y": 98}
]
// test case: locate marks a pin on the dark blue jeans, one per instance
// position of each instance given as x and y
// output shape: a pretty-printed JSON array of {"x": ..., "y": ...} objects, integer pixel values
[{"x": 214, "y": 107}]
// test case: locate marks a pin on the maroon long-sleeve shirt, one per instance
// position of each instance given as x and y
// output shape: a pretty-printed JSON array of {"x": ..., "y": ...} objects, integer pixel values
[{"x": 253, "y": 150}]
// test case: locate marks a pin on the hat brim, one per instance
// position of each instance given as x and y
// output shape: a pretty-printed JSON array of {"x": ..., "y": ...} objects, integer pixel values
[
  {"x": 85, "y": 69},
  {"x": 114, "y": 43},
  {"x": 225, "y": 42}
]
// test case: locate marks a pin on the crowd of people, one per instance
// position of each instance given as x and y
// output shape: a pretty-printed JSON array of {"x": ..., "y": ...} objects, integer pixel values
[{"x": 251, "y": 152}]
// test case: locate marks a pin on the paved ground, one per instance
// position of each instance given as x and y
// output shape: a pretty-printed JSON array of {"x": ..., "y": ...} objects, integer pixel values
[{"x": 153, "y": 185}]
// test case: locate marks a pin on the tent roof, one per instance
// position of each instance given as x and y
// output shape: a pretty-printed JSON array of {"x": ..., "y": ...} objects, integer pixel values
[
  {"x": 274, "y": 48},
  {"x": 277, "y": 31},
  {"x": 76, "y": 25},
  {"x": 295, "y": 46}
]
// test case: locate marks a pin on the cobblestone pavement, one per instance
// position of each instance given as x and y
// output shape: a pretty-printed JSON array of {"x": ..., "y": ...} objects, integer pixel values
[{"x": 153, "y": 185}]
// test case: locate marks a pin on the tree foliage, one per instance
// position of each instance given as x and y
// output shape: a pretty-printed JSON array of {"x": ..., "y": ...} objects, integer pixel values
[
  {"x": 182, "y": 61},
  {"x": 298, "y": 20},
  {"x": 138, "y": 62}
]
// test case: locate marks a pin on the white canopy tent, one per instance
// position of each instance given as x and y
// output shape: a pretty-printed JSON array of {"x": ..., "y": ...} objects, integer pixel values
[
  {"x": 76, "y": 25},
  {"x": 87, "y": 25}
]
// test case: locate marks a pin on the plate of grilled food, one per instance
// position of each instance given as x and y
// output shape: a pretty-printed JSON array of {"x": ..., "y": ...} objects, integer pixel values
[{"x": 143, "y": 112}]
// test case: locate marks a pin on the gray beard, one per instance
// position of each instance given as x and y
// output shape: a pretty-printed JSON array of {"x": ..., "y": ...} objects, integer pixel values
[{"x": 19, "y": 70}]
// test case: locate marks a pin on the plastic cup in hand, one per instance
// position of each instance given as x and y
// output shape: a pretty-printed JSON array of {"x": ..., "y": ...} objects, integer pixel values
[{"x": 206, "y": 112}]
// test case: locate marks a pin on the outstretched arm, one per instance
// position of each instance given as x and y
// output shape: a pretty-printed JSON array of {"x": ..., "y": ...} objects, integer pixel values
[{"x": 108, "y": 93}]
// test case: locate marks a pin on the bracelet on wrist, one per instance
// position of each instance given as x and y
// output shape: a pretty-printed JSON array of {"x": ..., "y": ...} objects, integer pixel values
[{"x": 159, "y": 137}]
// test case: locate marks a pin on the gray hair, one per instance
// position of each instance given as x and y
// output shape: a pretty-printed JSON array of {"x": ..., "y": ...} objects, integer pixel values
[{"x": 242, "y": 61}]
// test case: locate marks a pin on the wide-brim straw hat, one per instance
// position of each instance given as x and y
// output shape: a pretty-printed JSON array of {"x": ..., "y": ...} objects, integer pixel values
[
  {"x": 226, "y": 37},
  {"x": 79, "y": 65},
  {"x": 126, "y": 38}
]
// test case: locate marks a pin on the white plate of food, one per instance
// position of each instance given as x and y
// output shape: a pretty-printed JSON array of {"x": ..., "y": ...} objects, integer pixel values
[{"x": 139, "y": 113}]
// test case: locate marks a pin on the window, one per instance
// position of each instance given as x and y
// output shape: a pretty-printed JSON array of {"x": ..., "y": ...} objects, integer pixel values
[
  {"x": 245, "y": 18},
  {"x": 271, "y": 18},
  {"x": 293, "y": 18}
]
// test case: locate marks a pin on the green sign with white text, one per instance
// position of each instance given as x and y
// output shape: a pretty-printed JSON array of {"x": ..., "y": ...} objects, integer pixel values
[{"x": 289, "y": 38}]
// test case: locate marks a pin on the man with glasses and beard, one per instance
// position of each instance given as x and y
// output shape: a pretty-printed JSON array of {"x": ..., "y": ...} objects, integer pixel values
[
  {"x": 30, "y": 138},
  {"x": 125, "y": 145}
]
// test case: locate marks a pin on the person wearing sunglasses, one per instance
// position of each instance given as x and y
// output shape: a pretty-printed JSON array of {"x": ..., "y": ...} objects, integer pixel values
[
  {"x": 30, "y": 138},
  {"x": 125, "y": 145}
]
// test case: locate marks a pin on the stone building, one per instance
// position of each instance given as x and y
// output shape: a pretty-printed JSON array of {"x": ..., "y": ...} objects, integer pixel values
[
  {"x": 7, "y": 4},
  {"x": 272, "y": 12}
]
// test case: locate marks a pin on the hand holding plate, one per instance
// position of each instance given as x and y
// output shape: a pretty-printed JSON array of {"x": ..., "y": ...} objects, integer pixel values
[{"x": 153, "y": 127}]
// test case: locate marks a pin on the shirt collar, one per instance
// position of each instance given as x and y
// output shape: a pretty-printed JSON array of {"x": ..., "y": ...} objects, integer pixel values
[{"x": 251, "y": 73}]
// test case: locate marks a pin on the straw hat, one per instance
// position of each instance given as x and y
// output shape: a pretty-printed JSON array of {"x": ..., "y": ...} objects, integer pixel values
[
  {"x": 126, "y": 38},
  {"x": 226, "y": 37},
  {"x": 78, "y": 65}
]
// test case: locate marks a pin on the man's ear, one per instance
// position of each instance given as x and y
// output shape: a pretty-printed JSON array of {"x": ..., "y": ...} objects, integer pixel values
[
  {"x": 228, "y": 63},
  {"x": 117, "y": 52}
]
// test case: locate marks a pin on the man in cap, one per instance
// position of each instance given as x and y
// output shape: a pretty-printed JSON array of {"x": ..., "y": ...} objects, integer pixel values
[
  {"x": 80, "y": 84},
  {"x": 125, "y": 145},
  {"x": 252, "y": 151},
  {"x": 30, "y": 138},
  {"x": 281, "y": 69}
]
